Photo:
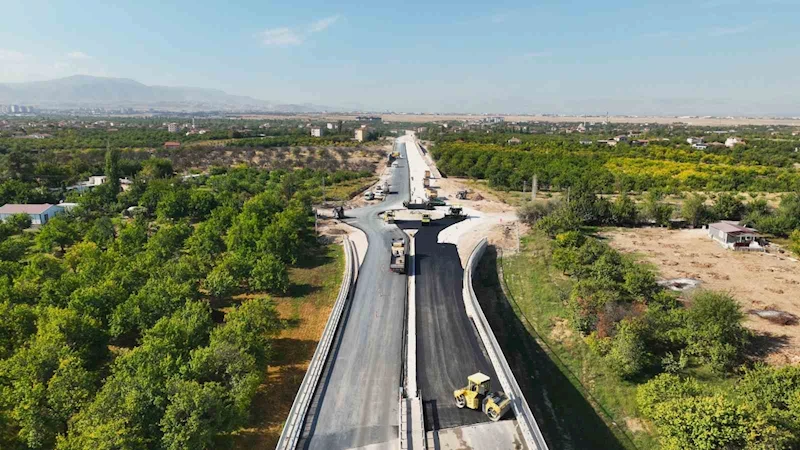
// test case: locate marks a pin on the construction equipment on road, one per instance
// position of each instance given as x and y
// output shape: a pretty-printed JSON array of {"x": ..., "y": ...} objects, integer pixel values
[
  {"x": 454, "y": 212},
  {"x": 462, "y": 194},
  {"x": 477, "y": 395},
  {"x": 431, "y": 193},
  {"x": 418, "y": 205},
  {"x": 426, "y": 220},
  {"x": 369, "y": 195},
  {"x": 338, "y": 212},
  {"x": 397, "y": 260},
  {"x": 427, "y": 174},
  {"x": 388, "y": 216}
]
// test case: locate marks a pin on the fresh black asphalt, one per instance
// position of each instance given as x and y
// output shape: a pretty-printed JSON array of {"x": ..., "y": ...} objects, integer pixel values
[{"x": 448, "y": 347}]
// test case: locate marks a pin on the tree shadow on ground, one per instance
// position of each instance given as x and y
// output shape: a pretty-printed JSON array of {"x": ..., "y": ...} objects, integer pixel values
[
  {"x": 314, "y": 257},
  {"x": 765, "y": 344},
  {"x": 566, "y": 418},
  {"x": 301, "y": 290}
]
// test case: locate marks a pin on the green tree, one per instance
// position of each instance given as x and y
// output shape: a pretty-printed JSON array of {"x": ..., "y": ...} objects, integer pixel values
[
  {"x": 629, "y": 355},
  {"x": 19, "y": 221},
  {"x": 269, "y": 274},
  {"x": 102, "y": 232},
  {"x": 624, "y": 212},
  {"x": 794, "y": 244},
  {"x": 695, "y": 211},
  {"x": 59, "y": 231},
  {"x": 714, "y": 331},
  {"x": 112, "y": 171},
  {"x": 197, "y": 413},
  {"x": 728, "y": 207}
]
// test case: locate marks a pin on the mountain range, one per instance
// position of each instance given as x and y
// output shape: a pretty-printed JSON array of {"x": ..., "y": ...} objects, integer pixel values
[{"x": 84, "y": 91}]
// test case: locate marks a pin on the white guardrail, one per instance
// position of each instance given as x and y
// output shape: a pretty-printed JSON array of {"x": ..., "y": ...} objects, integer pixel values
[
  {"x": 293, "y": 428},
  {"x": 527, "y": 424}
]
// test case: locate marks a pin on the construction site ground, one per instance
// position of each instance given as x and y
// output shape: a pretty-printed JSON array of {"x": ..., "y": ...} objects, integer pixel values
[{"x": 759, "y": 281}]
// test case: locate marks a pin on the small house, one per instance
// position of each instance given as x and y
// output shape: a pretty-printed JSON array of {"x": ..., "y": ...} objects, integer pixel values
[
  {"x": 514, "y": 141},
  {"x": 39, "y": 213},
  {"x": 731, "y": 235},
  {"x": 316, "y": 132},
  {"x": 172, "y": 145}
]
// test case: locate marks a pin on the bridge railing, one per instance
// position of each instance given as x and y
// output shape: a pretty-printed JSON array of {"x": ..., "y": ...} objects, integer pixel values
[
  {"x": 527, "y": 423},
  {"x": 292, "y": 429}
]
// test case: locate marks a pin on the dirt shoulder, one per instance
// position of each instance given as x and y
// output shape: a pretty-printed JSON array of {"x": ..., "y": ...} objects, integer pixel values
[{"x": 758, "y": 280}]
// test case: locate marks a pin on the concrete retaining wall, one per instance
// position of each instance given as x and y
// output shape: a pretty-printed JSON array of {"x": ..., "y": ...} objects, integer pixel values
[
  {"x": 527, "y": 423},
  {"x": 292, "y": 430}
]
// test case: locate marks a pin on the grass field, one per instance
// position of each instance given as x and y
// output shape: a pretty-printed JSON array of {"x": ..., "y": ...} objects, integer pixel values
[
  {"x": 305, "y": 309},
  {"x": 348, "y": 189},
  {"x": 578, "y": 403}
]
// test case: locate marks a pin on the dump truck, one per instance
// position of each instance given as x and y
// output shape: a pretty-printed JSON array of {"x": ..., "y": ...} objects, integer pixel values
[
  {"x": 397, "y": 260},
  {"x": 388, "y": 216},
  {"x": 419, "y": 205},
  {"x": 477, "y": 395},
  {"x": 426, "y": 182},
  {"x": 426, "y": 220}
]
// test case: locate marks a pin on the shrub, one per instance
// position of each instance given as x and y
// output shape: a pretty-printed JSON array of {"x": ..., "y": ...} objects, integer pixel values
[
  {"x": 629, "y": 356},
  {"x": 664, "y": 388},
  {"x": 714, "y": 330},
  {"x": 531, "y": 212}
]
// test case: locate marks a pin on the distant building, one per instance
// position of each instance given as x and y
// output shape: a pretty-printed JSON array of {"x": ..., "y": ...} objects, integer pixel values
[
  {"x": 330, "y": 126},
  {"x": 316, "y": 132},
  {"x": 361, "y": 134},
  {"x": 733, "y": 142},
  {"x": 731, "y": 235},
  {"x": 640, "y": 143},
  {"x": 586, "y": 142},
  {"x": 172, "y": 144},
  {"x": 699, "y": 146},
  {"x": 695, "y": 140},
  {"x": 514, "y": 141},
  {"x": 172, "y": 127},
  {"x": 39, "y": 213},
  {"x": 621, "y": 138},
  {"x": 92, "y": 182}
]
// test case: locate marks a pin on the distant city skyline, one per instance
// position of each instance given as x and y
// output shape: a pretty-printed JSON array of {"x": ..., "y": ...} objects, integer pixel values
[{"x": 709, "y": 57}]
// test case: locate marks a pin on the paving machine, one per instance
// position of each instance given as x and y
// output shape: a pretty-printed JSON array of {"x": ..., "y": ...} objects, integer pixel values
[
  {"x": 454, "y": 211},
  {"x": 477, "y": 395}
]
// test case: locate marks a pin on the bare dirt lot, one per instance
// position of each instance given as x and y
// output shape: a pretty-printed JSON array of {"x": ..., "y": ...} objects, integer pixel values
[{"x": 758, "y": 280}]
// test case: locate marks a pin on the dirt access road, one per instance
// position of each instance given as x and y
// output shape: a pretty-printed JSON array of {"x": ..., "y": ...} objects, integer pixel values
[{"x": 757, "y": 280}]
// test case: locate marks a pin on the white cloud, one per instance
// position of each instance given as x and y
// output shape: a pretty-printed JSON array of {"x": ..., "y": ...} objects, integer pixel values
[
  {"x": 78, "y": 55},
  {"x": 280, "y": 37},
  {"x": 11, "y": 55},
  {"x": 16, "y": 66},
  {"x": 285, "y": 36},
  {"x": 323, "y": 24}
]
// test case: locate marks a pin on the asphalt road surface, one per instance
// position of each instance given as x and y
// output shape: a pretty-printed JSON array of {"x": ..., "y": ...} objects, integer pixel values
[
  {"x": 356, "y": 403},
  {"x": 448, "y": 347}
]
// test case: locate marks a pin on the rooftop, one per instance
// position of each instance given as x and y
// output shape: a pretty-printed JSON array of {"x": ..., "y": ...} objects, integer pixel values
[
  {"x": 13, "y": 208},
  {"x": 731, "y": 227}
]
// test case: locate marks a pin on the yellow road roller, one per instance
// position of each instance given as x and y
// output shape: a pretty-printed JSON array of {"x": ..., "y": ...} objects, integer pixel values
[{"x": 477, "y": 395}]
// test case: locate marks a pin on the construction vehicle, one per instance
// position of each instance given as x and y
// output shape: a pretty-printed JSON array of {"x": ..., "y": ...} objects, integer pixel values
[
  {"x": 419, "y": 205},
  {"x": 338, "y": 212},
  {"x": 477, "y": 395},
  {"x": 454, "y": 211},
  {"x": 427, "y": 174},
  {"x": 397, "y": 259},
  {"x": 388, "y": 216},
  {"x": 426, "y": 220},
  {"x": 426, "y": 182},
  {"x": 369, "y": 195},
  {"x": 462, "y": 194}
]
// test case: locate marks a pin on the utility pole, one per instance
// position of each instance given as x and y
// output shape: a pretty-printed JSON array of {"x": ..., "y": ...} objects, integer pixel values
[
  {"x": 524, "y": 185},
  {"x": 534, "y": 187},
  {"x": 323, "y": 189}
]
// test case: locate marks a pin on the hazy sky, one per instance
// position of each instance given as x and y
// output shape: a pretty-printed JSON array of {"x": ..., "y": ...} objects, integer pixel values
[{"x": 637, "y": 57}]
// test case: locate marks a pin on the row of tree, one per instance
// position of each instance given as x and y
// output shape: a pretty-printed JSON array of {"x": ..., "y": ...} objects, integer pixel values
[{"x": 112, "y": 336}]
